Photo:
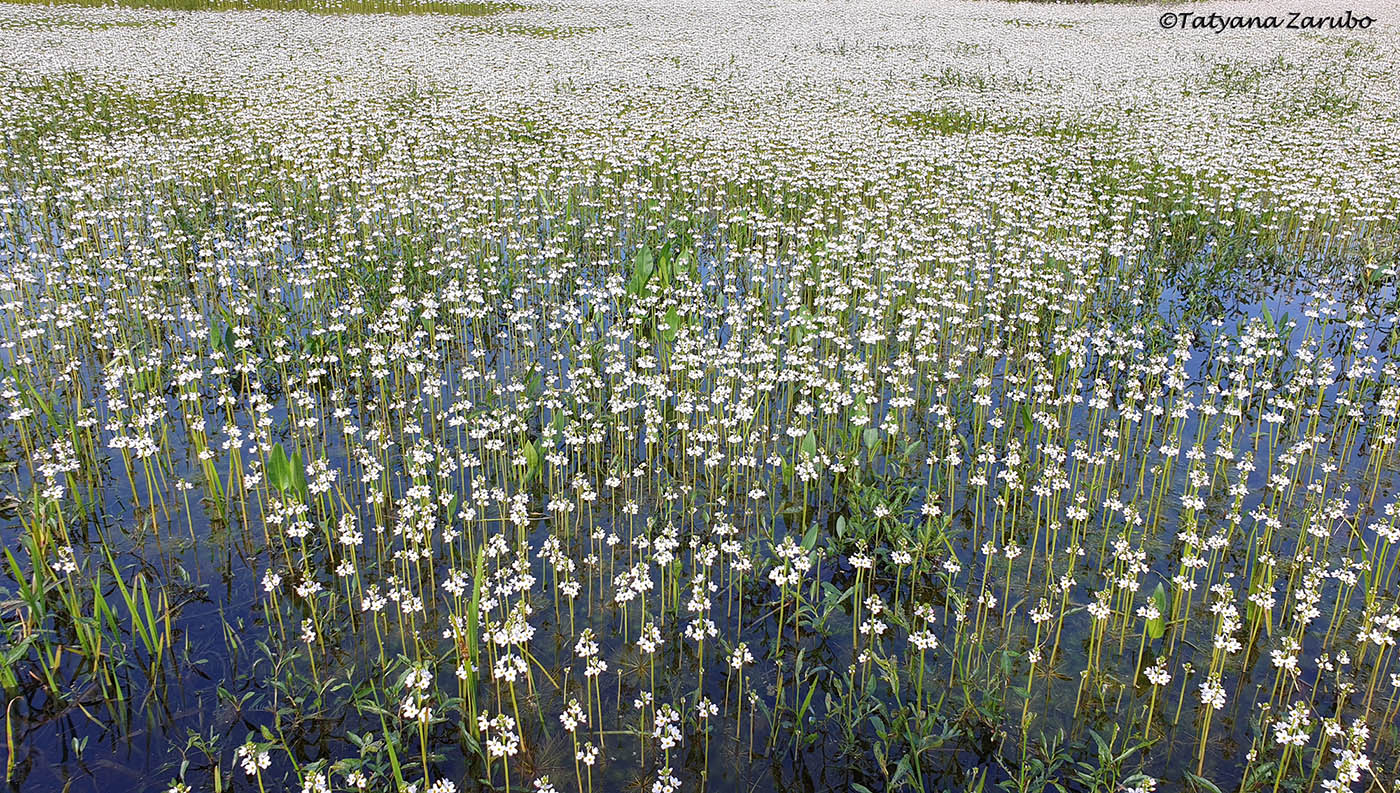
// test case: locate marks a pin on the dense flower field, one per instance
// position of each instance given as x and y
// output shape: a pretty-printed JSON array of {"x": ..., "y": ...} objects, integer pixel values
[{"x": 604, "y": 396}]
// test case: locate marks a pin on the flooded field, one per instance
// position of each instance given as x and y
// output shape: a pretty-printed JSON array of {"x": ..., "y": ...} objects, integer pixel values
[{"x": 640, "y": 396}]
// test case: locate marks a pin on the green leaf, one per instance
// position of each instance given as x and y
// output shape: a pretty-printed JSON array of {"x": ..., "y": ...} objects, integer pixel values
[
  {"x": 643, "y": 267},
  {"x": 664, "y": 271},
  {"x": 1104, "y": 753},
  {"x": 802, "y": 711},
  {"x": 532, "y": 460},
  {"x": 870, "y": 436},
  {"x": 1202, "y": 783},
  {"x": 672, "y": 322},
  {"x": 473, "y": 621},
  {"x": 692, "y": 266},
  {"x": 902, "y": 769},
  {"x": 298, "y": 474},
  {"x": 1158, "y": 626},
  {"x": 809, "y": 444},
  {"x": 914, "y": 449},
  {"x": 278, "y": 469}
]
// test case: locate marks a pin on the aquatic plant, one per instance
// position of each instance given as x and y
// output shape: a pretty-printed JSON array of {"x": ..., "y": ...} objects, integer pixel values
[{"x": 396, "y": 401}]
